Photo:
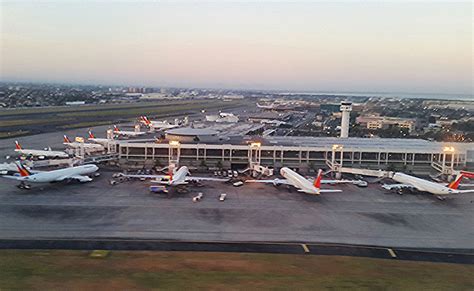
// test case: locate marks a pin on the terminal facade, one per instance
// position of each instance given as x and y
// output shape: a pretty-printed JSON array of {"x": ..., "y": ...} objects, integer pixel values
[{"x": 305, "y": 154}]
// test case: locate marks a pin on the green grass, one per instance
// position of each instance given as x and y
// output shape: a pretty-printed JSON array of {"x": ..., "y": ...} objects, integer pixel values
[
  {"x": 77, "y": 270},
  {"x": 58, "y": 118},
  {"x": 8, "y": 134},
  {"x": 26, "y": 122},
  {"x": 110, "y": 107}
]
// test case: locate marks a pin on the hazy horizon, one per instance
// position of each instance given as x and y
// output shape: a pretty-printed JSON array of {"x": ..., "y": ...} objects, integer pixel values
[{"x": 332, "y": 47}]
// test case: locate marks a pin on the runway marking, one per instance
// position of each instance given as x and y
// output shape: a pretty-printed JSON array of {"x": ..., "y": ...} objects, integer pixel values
[
  {"x": 305, "y": 248},
  {"x": 392, "y": 253},
  {"x": 99, "y": 254}
]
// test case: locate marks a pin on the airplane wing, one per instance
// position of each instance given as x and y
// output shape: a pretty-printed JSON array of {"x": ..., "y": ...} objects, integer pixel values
[
  {"x": 333, "y": 182},
  {"x": 465, "y": 191},
  {"x": 320, "y": 191},
  {"x": 397, "y": 186},
  {"x": 191, "y": 178},
  {"x": 329, "y": 190},
  {"x": 18, "y": 178},
  {"x": 274, "y": 181},
  {"x": 79, "y": 178}
]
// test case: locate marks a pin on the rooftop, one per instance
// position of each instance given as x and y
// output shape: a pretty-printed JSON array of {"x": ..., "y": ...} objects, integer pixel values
[{"x": 191, "y": 131}]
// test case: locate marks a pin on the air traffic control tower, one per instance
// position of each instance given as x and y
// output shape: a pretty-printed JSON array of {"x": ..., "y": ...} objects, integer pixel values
[{"x": 346, "y": 108}]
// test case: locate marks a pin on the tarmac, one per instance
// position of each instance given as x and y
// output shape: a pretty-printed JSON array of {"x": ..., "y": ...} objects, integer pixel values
[{"x": 253, "y": 212}]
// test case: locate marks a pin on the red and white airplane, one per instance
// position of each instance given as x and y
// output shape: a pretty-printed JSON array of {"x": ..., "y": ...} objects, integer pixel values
[
  {"x": 102, "y": 141},
  {"x": 301, "y": 183},
  {"x": 136, "y": 132},
  {"x": 78, "y": 173},
  {"x": 180, "y": 177},
  {"x": 414, "y": 183},
  {"x": 40, "y": 153},
  {"x": 156, "y": 124},
  {"x": 88, "y": 147}
]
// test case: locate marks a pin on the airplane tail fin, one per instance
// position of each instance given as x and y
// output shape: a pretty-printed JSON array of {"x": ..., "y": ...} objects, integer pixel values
[
  {"x": 170, "y": 173},
  {"x": 17, "y": 145},
  {"x": 91, "y": 135},
  {"x": 317, "y": 181},
  {"x": 23, "y": 171},
  {"x": 467, "y": 174},
  {"x": 66, "y": 139},
  {"x": 145, "y": 120},
  {"x": 455, "y": 184}
]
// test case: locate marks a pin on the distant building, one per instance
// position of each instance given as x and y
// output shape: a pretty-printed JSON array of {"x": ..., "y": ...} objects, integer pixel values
[
  {"x": 222, "y": 117},
  {"x": 381, "y": 122},
  {"x": 330, "y": 108},
  {"x": 75, "y": 103},
  {"x": 268, "y": 116}
]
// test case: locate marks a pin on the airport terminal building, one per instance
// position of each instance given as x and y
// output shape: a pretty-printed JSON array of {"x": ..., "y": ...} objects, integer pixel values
[{"x": 304, "y": 153}]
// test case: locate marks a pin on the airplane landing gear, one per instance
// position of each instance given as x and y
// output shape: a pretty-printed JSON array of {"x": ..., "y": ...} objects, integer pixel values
[
  {"x": 441, "y": 198},
  {"x": 25, "y": 186}
]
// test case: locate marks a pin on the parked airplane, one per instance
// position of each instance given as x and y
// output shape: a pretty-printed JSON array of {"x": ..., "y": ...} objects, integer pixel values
[
  {"x": 414, "y": 183},
  {"x": 137, "y": 131},
  {"x": 156, "y": 124},
  {"x": 73, "y": 173},
  {"x": 88, "y": 147},
  {"x": 296, "y": 180},
  {"x": 40, "y": 153},
  {"x": 180, "y": 177},
  {"x": 102, "y": 141}
]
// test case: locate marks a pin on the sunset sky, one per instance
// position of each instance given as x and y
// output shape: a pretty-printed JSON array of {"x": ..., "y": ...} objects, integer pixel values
[{"x": 318, "y": 46}]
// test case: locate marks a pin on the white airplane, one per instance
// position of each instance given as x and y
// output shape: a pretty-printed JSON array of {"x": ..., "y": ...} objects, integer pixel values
[
  {"x": 155, "y": 124},
  {"x": 40, "y": 153},
  {"x": 180, "y": 177},
  {"x": 102, "y": 141},
  {"x": 66, "y": 174},
  {"x": 88, "y": 147},
  {"x": 296, "y": 180},
  {"x": 136, "y": 132},
  {"x": 410, "y": 182}
]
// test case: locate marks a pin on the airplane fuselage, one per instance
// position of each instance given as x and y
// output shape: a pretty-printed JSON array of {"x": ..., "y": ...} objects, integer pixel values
[
  {"x": 101, "y": 141},
  {"x": 56, "y": 175},
  {"x": 298, "y": 181},
  {"x": 423, "y": 185},
  {"x": 39, "y": 153},
  {"x": 88, "y": 146},
  {"x": 128, "y": 133},
  {"x": 161, "y": 124},
  {"x": 180, "y": 176}
]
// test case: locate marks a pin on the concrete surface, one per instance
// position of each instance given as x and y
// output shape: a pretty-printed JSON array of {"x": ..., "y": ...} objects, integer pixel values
[{"x": 253, "y": 212}]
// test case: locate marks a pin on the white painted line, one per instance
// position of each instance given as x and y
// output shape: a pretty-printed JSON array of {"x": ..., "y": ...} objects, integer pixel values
[{"x": 305, "y": 248}]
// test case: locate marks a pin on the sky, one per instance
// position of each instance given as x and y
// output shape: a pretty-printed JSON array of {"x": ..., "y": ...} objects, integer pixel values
[{"x": 370, "y": 46}]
